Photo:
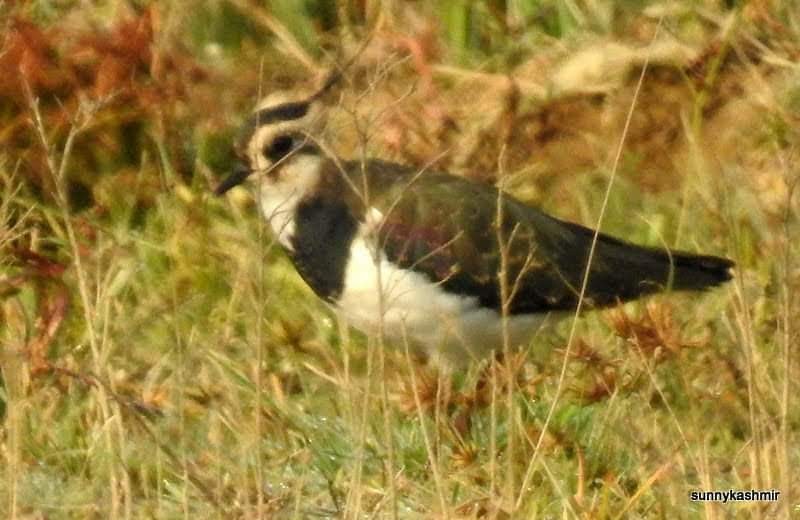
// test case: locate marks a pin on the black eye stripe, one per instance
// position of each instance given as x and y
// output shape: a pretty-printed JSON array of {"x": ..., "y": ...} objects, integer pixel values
[{"x": 279, "y": 147}]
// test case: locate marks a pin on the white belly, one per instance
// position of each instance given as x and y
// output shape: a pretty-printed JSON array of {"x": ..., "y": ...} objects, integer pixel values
[{"x": 407, "y": 305}]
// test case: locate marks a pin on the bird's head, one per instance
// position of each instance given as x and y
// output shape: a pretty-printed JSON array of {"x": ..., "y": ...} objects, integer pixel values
[{"x": 278, "y": 144}]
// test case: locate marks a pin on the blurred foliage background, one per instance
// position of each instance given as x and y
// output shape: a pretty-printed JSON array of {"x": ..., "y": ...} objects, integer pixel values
[{"x": 161, "y": 359}]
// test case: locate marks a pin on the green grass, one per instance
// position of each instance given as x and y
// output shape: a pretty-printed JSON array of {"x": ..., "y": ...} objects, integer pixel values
[{"x": 191, "y": 374}]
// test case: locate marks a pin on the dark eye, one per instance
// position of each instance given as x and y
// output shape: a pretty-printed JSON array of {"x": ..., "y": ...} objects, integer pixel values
[{"x": 279, "y": 147}]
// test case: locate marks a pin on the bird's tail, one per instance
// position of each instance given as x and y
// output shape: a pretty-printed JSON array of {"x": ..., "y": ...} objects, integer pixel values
[
  {"x": 633, "y": 270},
  {"x": 622, "y": 271}
]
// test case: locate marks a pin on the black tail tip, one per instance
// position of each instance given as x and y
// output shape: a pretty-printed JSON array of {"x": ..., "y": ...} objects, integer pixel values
[{"x": 716, "y": 269}]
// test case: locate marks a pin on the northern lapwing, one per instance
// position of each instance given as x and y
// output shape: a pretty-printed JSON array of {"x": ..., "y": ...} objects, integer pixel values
[{"x": 429, "y": 257}]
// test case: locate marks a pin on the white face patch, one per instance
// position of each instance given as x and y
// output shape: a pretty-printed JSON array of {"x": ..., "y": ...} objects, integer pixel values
[{"x": 279, "y": 198}]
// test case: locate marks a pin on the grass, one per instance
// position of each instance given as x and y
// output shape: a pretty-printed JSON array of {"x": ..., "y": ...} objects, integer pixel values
[{"x": 162, "y": 359}]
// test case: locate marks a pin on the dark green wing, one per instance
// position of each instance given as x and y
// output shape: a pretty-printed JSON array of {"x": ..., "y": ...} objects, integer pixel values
[{"x": 445, "y": 227}]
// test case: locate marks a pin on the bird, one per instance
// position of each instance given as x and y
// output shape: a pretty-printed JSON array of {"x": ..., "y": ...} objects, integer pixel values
[{"x": 452, "y": 267}]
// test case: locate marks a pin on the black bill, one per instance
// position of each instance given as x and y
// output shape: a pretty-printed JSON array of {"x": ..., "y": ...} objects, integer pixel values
[{"x": 236, "y": 177}]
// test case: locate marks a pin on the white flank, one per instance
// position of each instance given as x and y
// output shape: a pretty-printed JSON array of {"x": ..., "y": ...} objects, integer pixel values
[{"x": 405, "y": 304}]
